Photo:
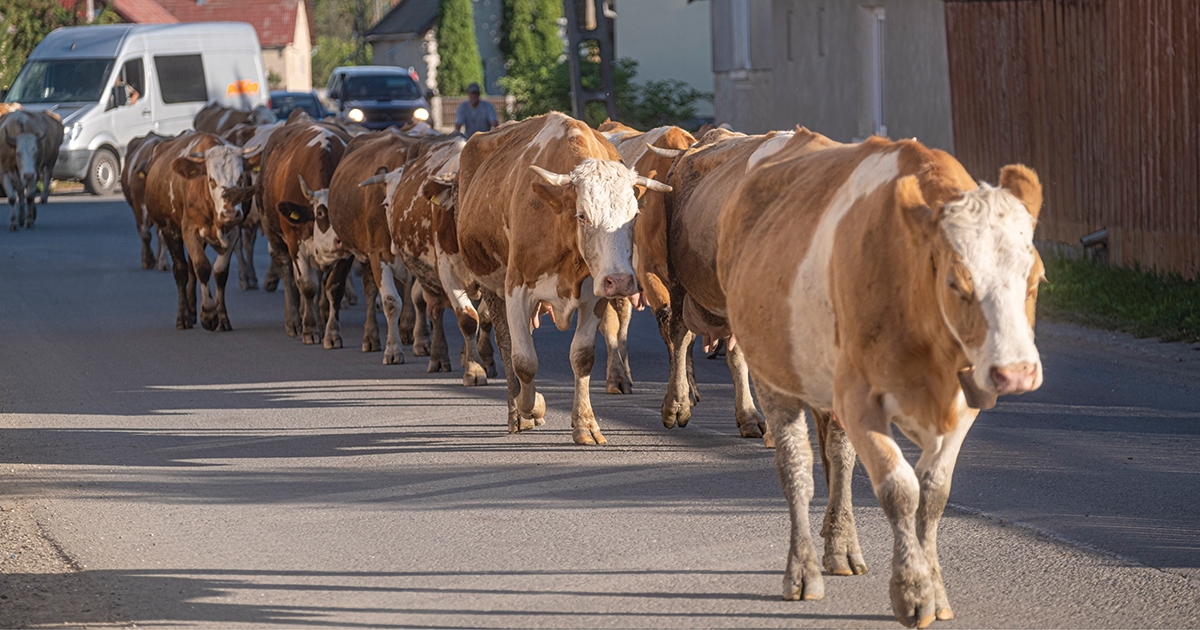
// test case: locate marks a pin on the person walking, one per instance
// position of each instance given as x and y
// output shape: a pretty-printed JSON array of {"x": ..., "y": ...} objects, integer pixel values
[{"x": 474, "y": 115}]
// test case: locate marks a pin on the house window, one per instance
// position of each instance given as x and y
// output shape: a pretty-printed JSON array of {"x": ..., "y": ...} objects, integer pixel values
[
  {"x": 871, "y": 21},
  {"x": 181, "y": 78},
  {"x": 741, "y": 33}
]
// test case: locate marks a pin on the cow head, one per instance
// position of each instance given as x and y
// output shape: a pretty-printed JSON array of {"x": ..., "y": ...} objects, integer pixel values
[
  {"x": 327, "y": 247},
  {"x": 221, "y": 165},
  {"x": 986, "y": 274},
  {"x": 603, "y": 196},
  {"x": 26, "y": 149}
]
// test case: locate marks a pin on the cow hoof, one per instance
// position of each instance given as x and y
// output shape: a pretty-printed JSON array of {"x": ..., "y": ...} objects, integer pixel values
[
  {"x": 310, "y": 338},
  {"x": 945, "y": 614},
  {"x": 208, "y": 319},
  {"x": 841, "y": 562},
  {"x": 490, "y": 366},
  {"x": 147, "y": 263},
  {"x": 223, "y": 325},
  {"x": 12, "y": 227},
  {"x": 371, "y": 345},
  {"x": 270, "y": 284},
  {"x": 292, "y": 329},
  {"x": 474, "y": 375},
  {"x": 752, "y": 425},
  {"x": 768, "y": 439},
  {"x": 619, "y": 386},
  {"x": 912, "y": 600},
  {"x": 333, "y": 341},
  {"x": 183, "y": 323},
  {"x": 406, "y": 339},
  {"x": 248, "y": 285},
  {"x": 588, "y": 437},
  {"x": 164, "y": 267},
  {"x": 393, "y": 357},
  {"x": 438, "y": 365},
  {"x": 421, "y": 349},
  {"x": 675, "y": 414},
  {"x": 350, "y": 299},
  {"x": 807, "y": 589}
]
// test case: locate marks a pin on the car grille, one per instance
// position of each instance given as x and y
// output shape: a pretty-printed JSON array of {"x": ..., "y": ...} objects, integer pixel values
[{"x": 388, "y": 115}]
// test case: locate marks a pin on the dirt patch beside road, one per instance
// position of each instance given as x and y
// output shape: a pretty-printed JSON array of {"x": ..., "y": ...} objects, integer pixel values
[{"x": 39, "y": 585}]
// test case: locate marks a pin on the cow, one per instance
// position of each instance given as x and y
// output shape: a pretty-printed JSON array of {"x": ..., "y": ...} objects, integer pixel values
[
  {"x": 358, "y": 216},
  {"x": 297, "y": 164},
  {"x": 9, "y": 107},
  {"x": 217, "y": 119},
  {"x": 880, "y": 283},
  {"x": 252, "y": 138},
  {"x": 28, "y": 152},
  {"x": 421, "y": 212},
  {"x": 137, "y": 156},
  {"x": 193, "y": 195},
  {"x": 703, "y": 178},
  {"x": 653, "y": 153},
  {"x": 545, "y": 218}
]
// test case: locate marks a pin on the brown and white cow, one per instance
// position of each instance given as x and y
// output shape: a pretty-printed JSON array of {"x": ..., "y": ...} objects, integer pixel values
[
  {"x": 9, "y": 107},
  {"x": 298, "y": 163},
  {"x": 29, "y": 143},
  {"x": 652, "y": 153},
  {"x": 703, "y": 179},
  {"x": 879, "y": 282},
  {"x": 138, "y": 153},
  {"x": 358, "y": 216},
  {"x": 218, "y": 119},
  {"x": 193, "y": 195},
  {"x": 252, "y": 138},
  {"x": 545, "y": 217},
  {"x": 422, "y": 215}
]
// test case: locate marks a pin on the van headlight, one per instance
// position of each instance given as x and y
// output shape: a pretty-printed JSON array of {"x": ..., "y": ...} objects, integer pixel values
[
  {"x": 73, "y": 131},
  {"x": 421, "y": 114},
  {"x": 355, "y": 115}
]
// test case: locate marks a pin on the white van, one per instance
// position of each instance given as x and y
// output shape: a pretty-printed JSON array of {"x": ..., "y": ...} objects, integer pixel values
[{"x": 113, "y": 83}]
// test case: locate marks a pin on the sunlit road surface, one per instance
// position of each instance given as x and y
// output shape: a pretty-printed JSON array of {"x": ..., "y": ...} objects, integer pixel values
[{"x": 243, "y": 479}]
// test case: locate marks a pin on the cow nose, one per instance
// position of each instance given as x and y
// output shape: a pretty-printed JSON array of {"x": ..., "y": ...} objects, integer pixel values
[
  {"x": 1014, "y": 379},
  {"x": 619, "y": 285},
  {"x": 337, "y": 244}
]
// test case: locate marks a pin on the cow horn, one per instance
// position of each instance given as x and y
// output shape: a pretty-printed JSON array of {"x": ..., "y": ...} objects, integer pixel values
[
  {"x": 254, "y": 150},
  {"x": 196, "y": 155},
  {"x": 667, "y": 153},
  {"x": 379, "y": 179},
  {"x": 653, "y": 184},
  {"x": 552, "y": 178},
  {"x": 308, "y": 193}
]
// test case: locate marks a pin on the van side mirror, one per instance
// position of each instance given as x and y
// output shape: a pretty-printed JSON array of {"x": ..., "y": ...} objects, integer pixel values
[
  {"x": 3, "y": 92},
  {"x": 119, "y": 96}
]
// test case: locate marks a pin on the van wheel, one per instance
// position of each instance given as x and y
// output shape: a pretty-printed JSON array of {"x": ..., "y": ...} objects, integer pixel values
[{"x": 102, "y": 175}]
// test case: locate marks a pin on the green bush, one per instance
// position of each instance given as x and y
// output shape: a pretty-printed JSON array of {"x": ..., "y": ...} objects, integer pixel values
[
  {"x": 1146, "y": 304},
  {"x": 23, "y": 24},
  {"x": 333, "y": 52},
  {"x": 530, "y": 41},
  {"x": 460, "y": 64}
]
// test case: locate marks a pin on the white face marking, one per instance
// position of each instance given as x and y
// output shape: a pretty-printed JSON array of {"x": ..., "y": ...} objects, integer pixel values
[
  {"x": 224, "y": 165},
  {"x": 768, "y": 148},
  {"x": 606, "y": 206},
  {"x": 992, "y": 233},
  {"x": 326, "y": 248},
  {"x": 27, "y": 154},
  {"x": 814, "y": 352}
]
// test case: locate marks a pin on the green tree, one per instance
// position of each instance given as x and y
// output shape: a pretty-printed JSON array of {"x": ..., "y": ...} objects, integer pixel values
[
  {"x": 332, "y": 52},
  {"x": 460, "y": 63},
  {"x": 23, "y": 24},
  {"x": 530, "y": 43}
]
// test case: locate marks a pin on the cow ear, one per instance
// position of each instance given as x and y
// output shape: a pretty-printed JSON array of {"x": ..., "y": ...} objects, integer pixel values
[
  {"x": 1023, "y": 183},
  {"x": 295, "y": 213},
  {"x": 438, "y": 188},
  {"x": 188, "y": 167},
  {"x": 12, "y": 142},
  {"x": 918, "y": 217}
]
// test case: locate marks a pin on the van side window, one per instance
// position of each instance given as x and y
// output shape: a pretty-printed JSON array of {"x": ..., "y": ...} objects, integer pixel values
[
  {"x": 135, "y": 76},
  {"x": 181, "y": 78},
  {"x": 129, "y": 86}
]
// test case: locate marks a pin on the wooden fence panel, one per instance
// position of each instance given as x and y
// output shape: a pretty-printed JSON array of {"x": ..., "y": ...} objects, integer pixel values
[{"x": 1102, "y": 98}]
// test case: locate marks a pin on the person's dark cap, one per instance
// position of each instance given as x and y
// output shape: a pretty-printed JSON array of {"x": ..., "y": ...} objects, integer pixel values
[{"x": 473, "y": 88}]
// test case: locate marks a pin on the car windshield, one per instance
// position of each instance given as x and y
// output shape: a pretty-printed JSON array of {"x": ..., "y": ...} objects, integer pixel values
[
  {"x": 60, "y": 81},
  {"x": 382, "y": 87},
  {"x": 285, "y": 104}
]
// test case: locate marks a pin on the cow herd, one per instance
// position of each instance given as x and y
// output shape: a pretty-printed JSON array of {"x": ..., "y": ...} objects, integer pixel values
[
  {"x": 28, "y": 151},
  {"x": 868, "y": 284}
]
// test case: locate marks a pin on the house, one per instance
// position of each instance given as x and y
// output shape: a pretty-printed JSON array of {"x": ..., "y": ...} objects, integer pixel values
[
  {"x": 284, "y": 29},
  {"x": 406, "y": 36},
  {"x": 845, "y": 68}
]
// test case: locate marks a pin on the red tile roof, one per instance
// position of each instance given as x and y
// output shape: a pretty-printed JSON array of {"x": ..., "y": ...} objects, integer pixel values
[{"x": 275, "y": 20}]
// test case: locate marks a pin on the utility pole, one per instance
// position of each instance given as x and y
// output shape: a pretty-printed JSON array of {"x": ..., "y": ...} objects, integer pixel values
[{"x": 597, "y": 25}]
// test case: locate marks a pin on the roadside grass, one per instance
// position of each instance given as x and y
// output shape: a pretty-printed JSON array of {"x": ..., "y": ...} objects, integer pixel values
[{"x": 1142, "y": 303}]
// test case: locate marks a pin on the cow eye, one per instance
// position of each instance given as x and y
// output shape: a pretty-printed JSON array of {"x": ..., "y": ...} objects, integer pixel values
[{"x": 582, "y": 219}]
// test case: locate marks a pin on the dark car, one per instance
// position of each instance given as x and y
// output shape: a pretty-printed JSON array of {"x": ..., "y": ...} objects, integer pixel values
[
  {"x": 283, "y": 103},
  {"x": 377, "y": 97}
]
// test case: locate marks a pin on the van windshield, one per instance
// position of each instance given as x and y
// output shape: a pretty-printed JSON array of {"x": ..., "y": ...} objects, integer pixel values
[
  {"x": 382, "y": 87},
  {"x": 60, "y": 81}
]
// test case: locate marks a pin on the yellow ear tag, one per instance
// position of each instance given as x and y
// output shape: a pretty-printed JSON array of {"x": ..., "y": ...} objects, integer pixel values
[
  {"x": 142, "y": 175},
  {"x": 434, "y": 201},
  {"x": 256, "y": 168},
  {"x": 295, "y": 216}
]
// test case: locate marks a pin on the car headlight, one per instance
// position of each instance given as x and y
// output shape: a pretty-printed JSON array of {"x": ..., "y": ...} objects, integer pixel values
[
  {"x": 355, "y": 115},
  {"x": 73, "y": 131},
  {"x": 421, "y": 114}
]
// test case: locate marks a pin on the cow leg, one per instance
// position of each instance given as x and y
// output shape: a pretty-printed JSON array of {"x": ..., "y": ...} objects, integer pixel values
[
  {"x": 408, "y": 313},
  {"x": 420, "y": 321},
  {"x": 793, "y": 463},
  {"x": 247, "y": 276},
  {"x": 164, "y": 263},
  {"x": 677, "y": 404},
  {"x": 513, "y": 325},
  {"x": 203, "y": 270},
  {"x": 614, "y": 326},
  {"x": 749, "y": 421},
  {"x": 935, "y": 471},
  {"x": 899, "y": 493},
  {"x": 221, "y": 275},
  {"x": 10, "y": 191},
  {"x": 487, "y": 353},
  {"x": 281, "y": 264},
  {"x": 184, "y": 280},
  {"x": 31, "y": 205},
  {"x": 47, "y": 175},
  {"x": 271, "y": 280},
  {"x": 145, "y": 232},
  {"x": 693, "y": 391},
  {"x": 584, "y": 429},
  {"x": 439, "y": 348},
  {"x": 351, "y": 298},
  {"x": 842, "y": 553},
  {"x": 335, "y": 287},
  {"x": 307, "y": 282},
  {"x": 370, "y": 293},
  {"x": 474, "y": 372},
  {"x": 391, "y": 310}
]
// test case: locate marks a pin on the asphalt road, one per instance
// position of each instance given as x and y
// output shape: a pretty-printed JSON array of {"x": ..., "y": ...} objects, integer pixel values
[{"x": 243, "y": 479}]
